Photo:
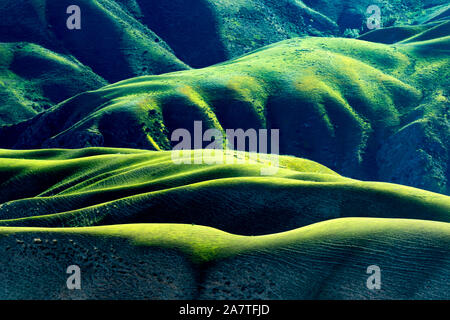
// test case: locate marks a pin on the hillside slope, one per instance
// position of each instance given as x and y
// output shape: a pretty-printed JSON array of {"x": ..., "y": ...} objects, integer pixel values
[
  {"x": 327, "y": 260},
  {"x": 89, "y": 187},
  {"x": 87, "y": 177},
  {"x": 120, "y": 39},
  {"x": 33, "y": 79},
  {"x": 111, "y": 42},
  {"x": 129, "y": 219},
  {"x": 348, "y": 104}
]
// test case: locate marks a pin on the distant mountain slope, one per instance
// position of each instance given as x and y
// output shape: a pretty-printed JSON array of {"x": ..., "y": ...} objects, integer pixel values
[
  {"x": 120, "y": 39},
  {"x": 409, "y": 33},
  {"x": 203, "y": 32},
  {"x": 359, "y": 108},
  {"x": 111, "y": 42}
]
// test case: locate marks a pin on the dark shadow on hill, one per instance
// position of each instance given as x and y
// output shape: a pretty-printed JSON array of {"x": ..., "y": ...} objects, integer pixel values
[
  {"x": 106, "y": 42},
  {"x": 188, "y": 26}
]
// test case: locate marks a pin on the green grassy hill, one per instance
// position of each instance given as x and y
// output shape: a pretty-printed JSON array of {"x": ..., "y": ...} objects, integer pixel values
[
  {"x": 132, "y": 221},
  {"x": 345, "y": 103},
  {"x": 64, "y": 188},
  {"x": 120, "y": 39},
  {"x": 87, "y": 178},
  {"x": 111, "y": 42},
  {"x": 409, "y": 33}
]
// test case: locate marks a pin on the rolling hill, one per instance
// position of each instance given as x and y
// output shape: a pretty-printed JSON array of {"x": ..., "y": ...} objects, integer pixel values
[
  {"x": 33, "y": 79},
  {"x": 345, "y": 103},
  {"x": 120, "y": 39},
  {"x": 129, "y": 219},
  {"x": 89, "y": 187},
  {"x": 88, "y": 176}
]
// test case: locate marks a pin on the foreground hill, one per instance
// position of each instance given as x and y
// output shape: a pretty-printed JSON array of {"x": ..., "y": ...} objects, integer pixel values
[
  {"x": 129, "y": 219},
  {"x": 358, "y": 107},
  {"x": 327, "y": 260},
  {"x": 77, "y": 188}
]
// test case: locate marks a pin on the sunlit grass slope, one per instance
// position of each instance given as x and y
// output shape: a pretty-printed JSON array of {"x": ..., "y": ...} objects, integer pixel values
[
  {"x": 77, "y": 188},
  {"x": 142, "y": 227},
  {"x": 327, "y": 260}
]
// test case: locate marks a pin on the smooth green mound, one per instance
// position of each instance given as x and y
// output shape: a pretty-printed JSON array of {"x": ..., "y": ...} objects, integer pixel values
[
  {"x": 77, "y": 188},
  {"x": 327, "y": 260},
  {"x": 396, "y": 34},
  {"x": 406, "y": 34}
]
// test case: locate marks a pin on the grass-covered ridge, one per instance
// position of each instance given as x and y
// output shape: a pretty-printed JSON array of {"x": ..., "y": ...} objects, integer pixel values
[
  {"x": 154, "y": 36},
  {"x": 77, "y": 188},
  {"x": 111, "y": 42}
]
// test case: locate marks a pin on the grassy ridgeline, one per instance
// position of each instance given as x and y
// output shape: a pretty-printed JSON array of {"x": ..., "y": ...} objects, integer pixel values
[{"x": 88, "y": 187}]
